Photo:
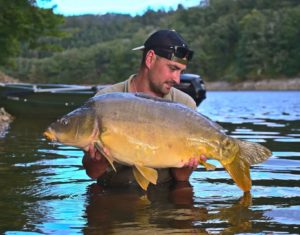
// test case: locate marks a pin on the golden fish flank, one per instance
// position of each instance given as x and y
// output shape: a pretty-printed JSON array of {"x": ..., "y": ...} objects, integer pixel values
[{"x": 149, "y": 133}]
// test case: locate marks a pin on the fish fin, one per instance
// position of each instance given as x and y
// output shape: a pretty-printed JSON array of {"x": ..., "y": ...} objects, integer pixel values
[
  {"x": 142, "y": 181},
  {"x": 239, "y": 170},
  {"x": 100, "y": 148},
  {"x": 208, "y": 166},
  {"x": 253, "y": 153},
  {"x": 144, "y": 175},
  {"x": 149, "y": 173}
]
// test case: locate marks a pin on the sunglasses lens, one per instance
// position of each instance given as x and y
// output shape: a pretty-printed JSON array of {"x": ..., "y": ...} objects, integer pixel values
[{"x": 183, "y": 52}]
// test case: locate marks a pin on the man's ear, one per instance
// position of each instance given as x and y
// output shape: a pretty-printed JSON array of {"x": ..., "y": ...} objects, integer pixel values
[{"x": 150, "y": 58}]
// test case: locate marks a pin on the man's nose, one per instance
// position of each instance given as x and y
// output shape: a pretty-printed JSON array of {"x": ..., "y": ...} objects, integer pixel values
[{"x": 176, "y": 77}]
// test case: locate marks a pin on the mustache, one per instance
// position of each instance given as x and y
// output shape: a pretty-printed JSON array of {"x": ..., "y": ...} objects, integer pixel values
[{"x": 171, "y": 83}]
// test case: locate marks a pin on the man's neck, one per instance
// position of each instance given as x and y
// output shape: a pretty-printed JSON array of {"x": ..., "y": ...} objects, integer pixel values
[{"x": 140, "y": 83}]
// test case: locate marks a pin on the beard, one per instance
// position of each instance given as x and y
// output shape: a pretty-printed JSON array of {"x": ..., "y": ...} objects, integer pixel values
[{"x": 163, "y": 88}]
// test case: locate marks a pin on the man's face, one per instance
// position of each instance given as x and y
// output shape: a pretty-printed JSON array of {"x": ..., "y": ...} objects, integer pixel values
[{"x": 164, "y": 74}]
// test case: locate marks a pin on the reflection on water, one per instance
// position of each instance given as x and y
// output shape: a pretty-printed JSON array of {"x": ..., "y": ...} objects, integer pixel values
[
  {"x": 164, "y": 209},
  {"x": 44, "y": 189}
]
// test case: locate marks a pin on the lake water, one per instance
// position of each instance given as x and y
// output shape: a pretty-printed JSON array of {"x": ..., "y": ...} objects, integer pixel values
[{"x": 44, "y": 189}]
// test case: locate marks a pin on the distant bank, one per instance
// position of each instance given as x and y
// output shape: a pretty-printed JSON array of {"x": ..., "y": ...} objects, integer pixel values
[
  {"x": 267, "y": 84},
  {"x": 292, "y": 84}
]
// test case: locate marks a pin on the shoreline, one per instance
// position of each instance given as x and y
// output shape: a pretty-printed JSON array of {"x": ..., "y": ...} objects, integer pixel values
[
  {"x": 280, "y": 84},
  {"x": 263, "y": 85},
  {"x": 292, "y": 84},
  {"x": 283, "y": 84}
]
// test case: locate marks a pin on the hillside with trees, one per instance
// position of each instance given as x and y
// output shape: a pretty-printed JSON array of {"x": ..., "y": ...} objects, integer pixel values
[{"x": 233, "y": 40}]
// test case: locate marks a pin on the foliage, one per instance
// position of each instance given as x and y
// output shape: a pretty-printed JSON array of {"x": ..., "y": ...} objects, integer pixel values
[
  {"x": 21, "y": 21},
  {"x": 233, "y": 40}
]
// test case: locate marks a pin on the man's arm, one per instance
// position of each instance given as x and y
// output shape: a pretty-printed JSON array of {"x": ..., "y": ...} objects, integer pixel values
[{"x": 181, "y": 174}]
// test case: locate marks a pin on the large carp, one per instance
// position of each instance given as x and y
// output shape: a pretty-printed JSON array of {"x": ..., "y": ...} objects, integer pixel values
[{"x": 149, "y": 133}]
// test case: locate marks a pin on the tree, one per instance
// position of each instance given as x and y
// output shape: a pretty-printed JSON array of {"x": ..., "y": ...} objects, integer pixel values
[
  {"x": 22, "y": 22},
  {"x": 232, "y": 39},
  {"x": 253, "y": 45}
]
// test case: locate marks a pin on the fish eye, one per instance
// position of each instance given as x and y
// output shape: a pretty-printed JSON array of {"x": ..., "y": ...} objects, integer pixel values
[{"x": 64, "y": 121}]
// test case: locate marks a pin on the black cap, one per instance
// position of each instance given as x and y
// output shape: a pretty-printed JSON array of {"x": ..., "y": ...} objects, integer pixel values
[
  {"x": 163, "y": 39},
  {"x": 164, "y": 42}
]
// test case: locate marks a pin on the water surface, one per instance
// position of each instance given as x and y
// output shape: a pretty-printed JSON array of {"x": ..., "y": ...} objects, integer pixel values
[{"x": 44, "y": 189}]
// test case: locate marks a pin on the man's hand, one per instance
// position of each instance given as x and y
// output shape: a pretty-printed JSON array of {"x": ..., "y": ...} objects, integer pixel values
[
  {"x": 94, "y": 163},
  {"x": 194, "y": 162},
  {"x": 184, "y": 173},
  {"x": 95, "y": 154}
]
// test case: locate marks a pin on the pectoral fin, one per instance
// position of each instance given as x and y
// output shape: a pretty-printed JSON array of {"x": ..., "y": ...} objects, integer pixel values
[
  {"x": 144, "y": 175},
  {"x": 101, "y": 149}
]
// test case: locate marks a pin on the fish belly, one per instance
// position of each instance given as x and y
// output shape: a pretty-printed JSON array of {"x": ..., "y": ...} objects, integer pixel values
[
  {"x": 146, "y": 145},
  {"x": 157, "y": 129}
]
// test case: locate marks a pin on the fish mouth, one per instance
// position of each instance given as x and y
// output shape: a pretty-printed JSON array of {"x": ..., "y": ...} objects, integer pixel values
[{"x": 49, "y": 134}]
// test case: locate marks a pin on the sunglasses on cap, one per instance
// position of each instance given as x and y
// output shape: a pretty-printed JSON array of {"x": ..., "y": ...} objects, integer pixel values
[{"x": 175, "y": 53}]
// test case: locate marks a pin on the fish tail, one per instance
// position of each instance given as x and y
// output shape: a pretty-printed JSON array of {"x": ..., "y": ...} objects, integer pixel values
[
  {"x": 239, "y": 170},
  {"x": 247, "y": 154},
  {"x": 253, "y": 153}
]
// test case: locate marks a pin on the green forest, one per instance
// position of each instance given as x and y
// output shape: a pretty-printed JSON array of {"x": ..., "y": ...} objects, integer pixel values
[{"x": 233, "y": 40}]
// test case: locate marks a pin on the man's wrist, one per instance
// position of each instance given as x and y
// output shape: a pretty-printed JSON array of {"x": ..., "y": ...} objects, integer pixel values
[{"x": 181, "y": 174}]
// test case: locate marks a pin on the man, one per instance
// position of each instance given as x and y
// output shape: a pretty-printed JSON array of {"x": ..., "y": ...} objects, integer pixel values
[{"x": 165, "y": 57}]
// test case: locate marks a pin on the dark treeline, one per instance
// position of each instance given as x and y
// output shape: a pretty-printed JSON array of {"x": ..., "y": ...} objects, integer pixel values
[{"x": 233, "y": 40}]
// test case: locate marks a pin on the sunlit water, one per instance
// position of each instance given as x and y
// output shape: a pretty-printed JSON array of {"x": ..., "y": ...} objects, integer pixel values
[{"x": 44, "y": 189}]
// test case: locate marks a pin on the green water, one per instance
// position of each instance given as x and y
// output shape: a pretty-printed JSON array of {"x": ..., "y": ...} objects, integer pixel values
[{"x": 44, "y": 189}]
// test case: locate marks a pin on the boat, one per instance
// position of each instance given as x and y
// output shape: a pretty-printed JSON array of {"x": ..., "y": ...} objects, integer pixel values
[{"x": 54, "y": 100}]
